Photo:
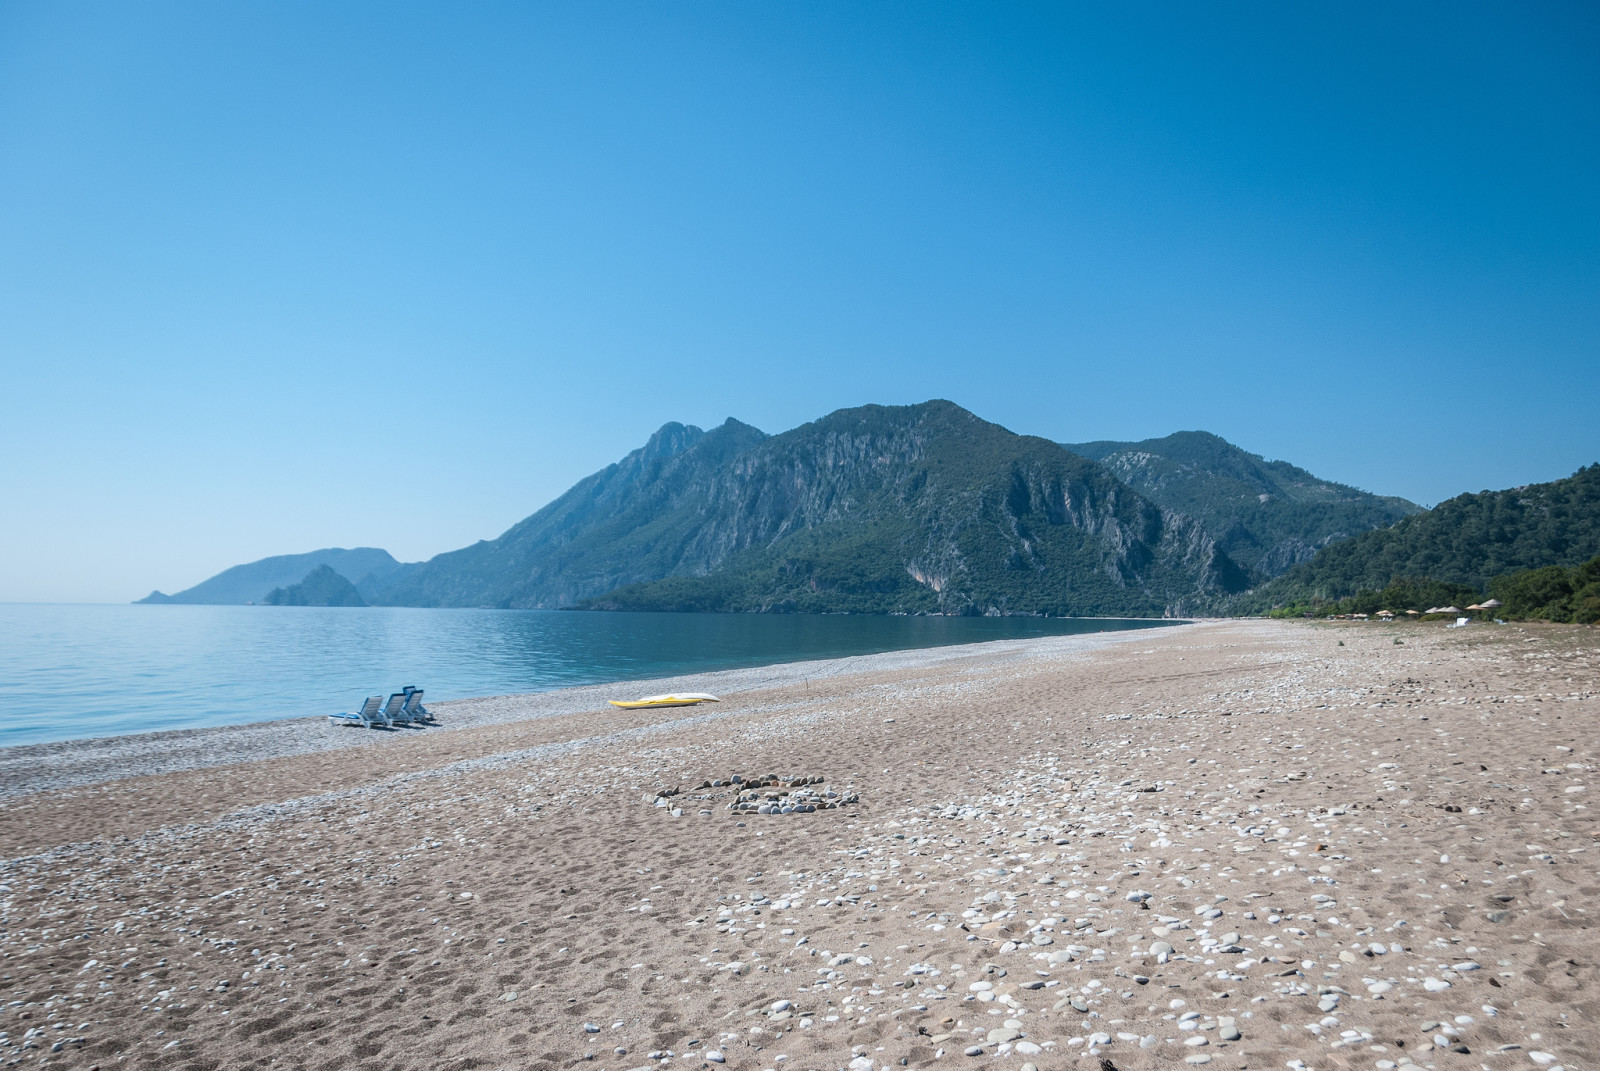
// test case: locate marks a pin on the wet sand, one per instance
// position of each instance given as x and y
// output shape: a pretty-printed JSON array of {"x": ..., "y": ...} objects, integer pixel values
[{"x": 1235, "y": 843}]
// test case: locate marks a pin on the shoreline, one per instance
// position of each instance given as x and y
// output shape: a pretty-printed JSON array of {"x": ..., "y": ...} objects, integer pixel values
[
  {"x": 32, "y": 767},
  {"x": 261, "y": 673}
]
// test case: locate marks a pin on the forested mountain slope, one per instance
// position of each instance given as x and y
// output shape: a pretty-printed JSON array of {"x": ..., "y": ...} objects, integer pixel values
[
  {"x": 922, "y": 508},
  {"x": 1266, "y": 515},
  {"x": 1468, "y": 540}
]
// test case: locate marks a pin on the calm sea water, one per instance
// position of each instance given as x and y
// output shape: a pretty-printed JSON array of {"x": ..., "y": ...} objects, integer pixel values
[{"x": 77, "y": 671}]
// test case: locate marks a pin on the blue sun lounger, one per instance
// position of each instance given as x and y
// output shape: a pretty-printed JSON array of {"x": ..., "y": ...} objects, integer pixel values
[
  {"x": 390, "y": 714},
  {"x": 414, "y": 711},
  {"x": 369, "y": 716}
]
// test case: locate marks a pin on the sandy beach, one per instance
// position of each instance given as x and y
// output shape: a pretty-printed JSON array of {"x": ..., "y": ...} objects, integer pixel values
[{"x": 1246, "y": 844}]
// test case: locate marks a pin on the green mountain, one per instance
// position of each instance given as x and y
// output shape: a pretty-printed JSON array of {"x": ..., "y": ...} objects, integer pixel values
[
  {"x": 252, "y": 582},
  {"x": 1469, "y": 540},
  {"x": 321, "y": 587},
  {"x": 1266, "y": 515},
  {"x": 922, "y": 508},
  {"x": 624, "y": 524}
]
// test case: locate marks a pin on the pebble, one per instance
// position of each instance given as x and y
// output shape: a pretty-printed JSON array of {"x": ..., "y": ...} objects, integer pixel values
[{"x": 771, "y": 794}]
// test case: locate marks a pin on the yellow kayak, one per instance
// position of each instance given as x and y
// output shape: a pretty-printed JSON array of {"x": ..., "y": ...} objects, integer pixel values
[{"x": 687, "y": 699}]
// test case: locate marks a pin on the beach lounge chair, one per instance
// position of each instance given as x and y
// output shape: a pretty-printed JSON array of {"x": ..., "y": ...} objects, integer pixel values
[
  {"x": 367, "y": 716},
  {"x": 413, "y": 710},
  {"x": 390, "y": 713},
  {"x": 407, "y": 714}
]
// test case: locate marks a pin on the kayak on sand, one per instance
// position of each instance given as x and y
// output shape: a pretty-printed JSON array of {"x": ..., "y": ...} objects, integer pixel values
[{"x": 687, "y": 699}]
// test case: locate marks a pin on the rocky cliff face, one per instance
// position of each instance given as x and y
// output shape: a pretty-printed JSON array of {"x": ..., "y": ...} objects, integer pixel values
[
  {"x": 1267, "y": 515},
  {"x": 879, "y": 509},
  {"x": 622, "y": 525}
]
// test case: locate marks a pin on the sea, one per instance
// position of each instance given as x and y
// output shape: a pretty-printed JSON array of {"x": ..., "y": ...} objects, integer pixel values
[{"x": 79, "y": 671}]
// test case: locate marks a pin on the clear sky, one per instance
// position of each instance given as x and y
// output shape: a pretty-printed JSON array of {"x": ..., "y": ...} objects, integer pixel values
[{"x": 279, "y": 276}]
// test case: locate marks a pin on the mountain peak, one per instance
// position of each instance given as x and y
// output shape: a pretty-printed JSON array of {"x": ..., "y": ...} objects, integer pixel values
[
  {"x": 919, "y": 508},
  {"x": 1267, "y": 515},
  {"x": 669, "y": 440},
  {"x": 321, "y": 587}
]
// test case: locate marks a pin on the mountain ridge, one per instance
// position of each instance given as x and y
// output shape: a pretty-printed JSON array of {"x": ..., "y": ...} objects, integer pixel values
[
  {"x": 875, "y": 509},
  {"x": 675, "y": 456},
  {"x": 321, "y": 587},
  {"x": 923, "y": 508},
  {"x": 1470, "y": 539},
  {"x": 252, "y": 581},
  {"x": 1267, "y": 515}
]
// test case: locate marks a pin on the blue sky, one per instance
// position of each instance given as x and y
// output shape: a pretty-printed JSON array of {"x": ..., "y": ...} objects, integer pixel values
[{"x": 282, "y": 276}]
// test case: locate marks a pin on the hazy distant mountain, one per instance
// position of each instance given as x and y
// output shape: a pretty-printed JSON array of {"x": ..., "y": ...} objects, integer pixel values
[
  {"x": 1266, "y": 515},
  {"x": 252, "y": 582},
  {"x": 321, "y": 587},
  {"x": 876, "y": 509},
  {"x": 1468, "y": 540}
]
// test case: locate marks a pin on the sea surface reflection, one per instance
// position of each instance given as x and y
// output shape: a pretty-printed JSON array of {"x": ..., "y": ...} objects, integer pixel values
[{"x": 71, "y": 671}]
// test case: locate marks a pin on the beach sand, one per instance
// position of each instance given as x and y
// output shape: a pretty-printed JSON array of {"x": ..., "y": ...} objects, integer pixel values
[{"x": 1238, "y": 843}]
